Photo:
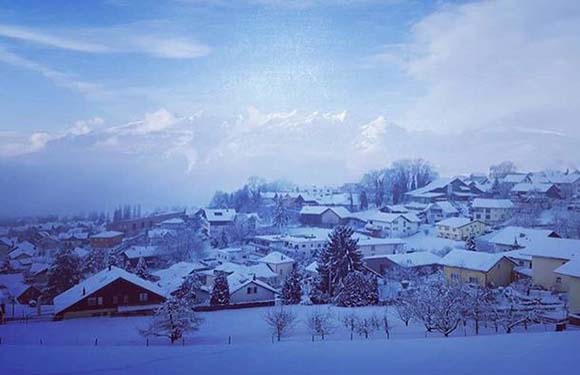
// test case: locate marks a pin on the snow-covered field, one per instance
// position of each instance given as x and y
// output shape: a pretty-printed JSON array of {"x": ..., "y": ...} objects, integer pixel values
[{"x": 539, "y": 353}]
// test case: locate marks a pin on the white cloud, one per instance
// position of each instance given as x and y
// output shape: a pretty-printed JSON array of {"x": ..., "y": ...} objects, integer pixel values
[
  {"x": 499, "y": 63},
  {"x": 150, "y": 38}
]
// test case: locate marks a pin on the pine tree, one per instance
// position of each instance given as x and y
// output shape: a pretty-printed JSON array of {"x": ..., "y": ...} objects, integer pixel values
[
  {"x": 339, "y": 257},
  {"x": 280, "y": 219},
  {"x": 353, "y": 291},
  {"x": 64, "y": 273},
  {"x": 142, "y": 270},
  {"x": 95, "y": 261},
  {"x": 220, "y": 293},
  {"x": 173, "y": 319},
  {"x": 292, "y": 290},
  {"x": 189, "y": 289}
]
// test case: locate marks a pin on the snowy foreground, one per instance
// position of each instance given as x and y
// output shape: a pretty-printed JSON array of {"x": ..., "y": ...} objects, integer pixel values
[
  {"x": 537, "y": 353},
  {"x": 68, "y": 347}
]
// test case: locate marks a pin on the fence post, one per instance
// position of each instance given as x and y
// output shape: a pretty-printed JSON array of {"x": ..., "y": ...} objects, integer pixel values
[
  {"x": 312, "y": 338},
  {"x": 147, "y": 342},
  {"x": 96, "y": 342},
  {"x": 229, "y": 340}
]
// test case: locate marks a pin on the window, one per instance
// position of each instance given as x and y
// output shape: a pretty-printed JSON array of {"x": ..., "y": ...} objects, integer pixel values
[
  {"x": 115, "y": 300},
  {"x": 252, "y": 290},
  {"x": 454, "y": 276},
  {"x": 473, "y": 279},
  {"x": 99, "y": 301},
  {"x": 143, "y": 297},
  {"x": 558, "y": 280},
  {"x": 125, "y": 299},
  {"x": 92, "y": 301}
]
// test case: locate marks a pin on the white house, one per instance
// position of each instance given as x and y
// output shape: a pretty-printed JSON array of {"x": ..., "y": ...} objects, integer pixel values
[
  {"x": 278, "y": 263},
  {"x": 388, "y": 225},
  {"x": 492, "y": 211},
  {"x": 438, "y": 211}
]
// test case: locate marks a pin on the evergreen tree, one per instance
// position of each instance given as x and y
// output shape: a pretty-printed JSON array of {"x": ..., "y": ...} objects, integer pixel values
[
  {"x": 173, "y": 319},
  {"x": 364, "y": 200},
  {"x": 189, "y": 289},
  {"x": 64, "y": 273},
  {"x": 353, "y": 291},
  {"x": 470, "y": 244},
  {"x": 292, "y": 290},
  {"x": 142, "y": 270},
  {"x": 280, "y": 219},
  {"x": 95, "y": 261},
  {"x": 220, "y": 293},
  {"x": 372, "y": 290},
  {"x": 339, "y": 257}
]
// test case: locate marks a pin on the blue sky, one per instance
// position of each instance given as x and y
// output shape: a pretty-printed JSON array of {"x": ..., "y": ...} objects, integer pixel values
[
  {"x": 162, "y": 102},
  {"x": 276, "y": 57}
]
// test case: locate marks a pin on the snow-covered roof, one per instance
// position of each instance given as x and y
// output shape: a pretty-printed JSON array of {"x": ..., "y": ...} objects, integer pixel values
[
  {"x": 341, "y": 212},
  {"x": 525, "y": 187},
  {"x": 237, "y": 282},
  {"x": 14, "y": 284},
  {"x": 259, "y": 270},
  {"x": 81, "y": 252},
  {"x": 312, "y": 267},
  {"x": 135, "y": 252},
  {"x": 37, "y": 268},
  {"x": 446, "y": 207},
  {"x": 219, "y": 214},
  {"x": 571, "y": 268},
  {"x": 229, "y": 250},
  {"x": 523, "y": 236},
  {"x": 515, "y": 178},
  {"x": 276, "y": 257},
  {"x": 455, "y": 222},
  {"x": 472, "y": 260},
  {"x": 171, "y": 278},
  {"x": 557, "y": 248},
  {"x": 416, "y": 259},
  {"x": 492, "y": 203},
  {"x": 23, "y": 248},
  {"x": 375, "y": 215},
  {"x": 107, "y": 234},
  {"x": 174, "y": 221},
  {"x": 97, "y": 282},
  {"x": 370, "y": 241}
]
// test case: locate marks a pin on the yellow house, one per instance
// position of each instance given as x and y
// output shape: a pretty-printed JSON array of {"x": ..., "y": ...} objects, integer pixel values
[
  {"x": 571, "y": 274},
  {"x": 492, "y": 211},
  {"x": 474, "y": 267},
  {"x": 460, "y": 228},
  {"x": 548, "y": 254}
]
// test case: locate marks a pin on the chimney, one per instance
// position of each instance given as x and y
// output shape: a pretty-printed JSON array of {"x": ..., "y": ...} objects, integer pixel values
[
  {"x": 84, "y": 291},
  {"x": 110, "y": 267}
]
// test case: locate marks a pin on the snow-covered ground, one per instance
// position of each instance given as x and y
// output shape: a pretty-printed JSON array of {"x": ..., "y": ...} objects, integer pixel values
[
  {"x": 540, "y": 353},
  {"x": 245, "y": 326},
  {"x": 421, "y": 241}
]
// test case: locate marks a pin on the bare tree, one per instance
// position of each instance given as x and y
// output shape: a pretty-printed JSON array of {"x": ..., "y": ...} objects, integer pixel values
[
  {"x": 386, "y": 323},
  {"x": 404, "y": 311},
  {"x": 321, "y": 323},
  {"x": 281, "y": 321},
  {"x": 350, "y": 321},
  {"x": 366, "y": 325}
]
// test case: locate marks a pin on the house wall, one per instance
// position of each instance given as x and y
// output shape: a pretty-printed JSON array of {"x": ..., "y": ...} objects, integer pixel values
[
  {"x": 282, "y": 269},
  {"x": 492, "y": 215},
  {"x": 329, "y": 218},
  {"x": 105, "y": 243},
  {"x": 119, "y": 288},
  {"x": 397, "y": 228},
  {"x": 242, "y": 296},
  {"x": 472, "y": 229},
  {"x": 499, "y": 275},
  {"x": 573, "y": 293},
  {"x": 367, "y": 250},
  {"x": 543, "y": 273}
]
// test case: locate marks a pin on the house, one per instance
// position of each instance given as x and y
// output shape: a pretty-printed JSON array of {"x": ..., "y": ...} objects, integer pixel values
[
  {"x": 6, "y": 246},
  {"x": 175, "y": 223},
  {"x": 112, "y": 291},
  {"x": 484, "y": 269},
  {"x": 278, "y": 263},
  {"x": 460, "y": 228},
  {"x": 266, "y": 243},
  {"x": 492, "y": 211},
  {"x": 133, "y": 226},
  {"x": 245, "y": 289},
  {"x": 420, "y": 261},
  {"x": 106, "y": 240},
  {"x": 570, "y": 271},
  {"x": 215, "y": 219},
  {"x": 323, "y": 215},
  {"x": 383, "y": 224},
  {"x": 374, "y": 246},
  {"x": 527, "y": 192},
  {"x": 22, "y": 256},
  {"x": 547, "y": 255},
  {"x": 509, "y": 181},
  {"x": 438, "y": 211},
  {"x": 171, "y": 279},
  {"x": 260, "y": 271},
  {"x": 71, "y": 240},
  {"x": 152, "y": 255},
  {"x": 512, "y": 238},
  {"x": 304, "y": 243},
  {"x": 567, "y": 184},
  {"x": 14, "y": 288},
  {"x": 231, "y": 254},
  {"x": 453, "y": 189}
]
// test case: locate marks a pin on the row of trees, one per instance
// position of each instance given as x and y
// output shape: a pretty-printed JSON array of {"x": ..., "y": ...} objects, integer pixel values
[{"x": 390, "y": 184}]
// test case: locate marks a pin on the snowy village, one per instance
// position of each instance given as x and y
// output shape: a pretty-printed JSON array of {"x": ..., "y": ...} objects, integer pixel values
[
  {"x": 289, "y": 187},
  {"x": 403, "y": 253}
]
